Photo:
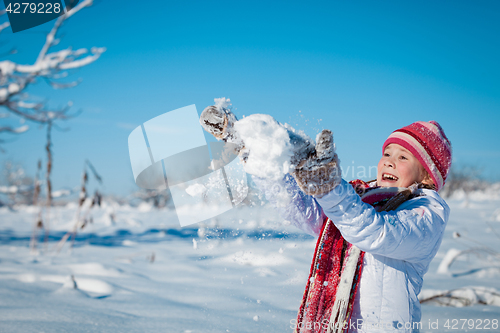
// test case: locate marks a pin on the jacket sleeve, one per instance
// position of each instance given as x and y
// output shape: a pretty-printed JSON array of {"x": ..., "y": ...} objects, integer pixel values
[
  {"x": 301, "y": 210},
  {"x": 413, "y": 232}
]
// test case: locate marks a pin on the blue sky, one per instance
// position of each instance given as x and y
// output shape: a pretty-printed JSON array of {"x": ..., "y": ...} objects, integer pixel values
[{"x": 359, "y": 68}]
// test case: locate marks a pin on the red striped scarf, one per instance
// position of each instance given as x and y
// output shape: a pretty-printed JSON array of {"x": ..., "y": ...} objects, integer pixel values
[{"x": 330, "y": 261}]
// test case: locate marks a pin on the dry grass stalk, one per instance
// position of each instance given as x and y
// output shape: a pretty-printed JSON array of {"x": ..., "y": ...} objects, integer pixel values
[
  {"x": 81, "y": 200},
  {"x": 94, "y": 172},
  {"x": 83, "y": 220},
  {"x": 446, "y": 298},
  {"x": 39, "y": 222},
  {"x": 96, "y": 200},
  {"x": 49, "y": 183},
  {"x": 151, "y": 257}
]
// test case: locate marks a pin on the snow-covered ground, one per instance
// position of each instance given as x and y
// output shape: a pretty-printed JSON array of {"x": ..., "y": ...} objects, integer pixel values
[{"x": 242, "y": 272}]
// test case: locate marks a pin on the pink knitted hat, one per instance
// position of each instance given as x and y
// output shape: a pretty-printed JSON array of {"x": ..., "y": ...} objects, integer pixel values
[{"x": 428, "y": 143}]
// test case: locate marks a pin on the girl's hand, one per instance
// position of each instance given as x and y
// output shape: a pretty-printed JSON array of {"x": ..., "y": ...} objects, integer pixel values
[{"x": 320, "y": 173}]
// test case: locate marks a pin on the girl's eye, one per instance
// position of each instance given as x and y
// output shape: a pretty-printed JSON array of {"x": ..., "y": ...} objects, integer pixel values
[
  {"x": 386, "y": 154},
  {"x": 403, "y": 157}
]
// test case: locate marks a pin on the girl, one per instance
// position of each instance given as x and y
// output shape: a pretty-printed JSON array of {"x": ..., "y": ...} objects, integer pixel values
[
  {"x": 375, "y": 240},
  {"x": 396, "y": 222}
]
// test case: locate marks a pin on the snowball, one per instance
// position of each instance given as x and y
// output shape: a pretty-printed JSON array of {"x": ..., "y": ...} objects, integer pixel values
[
  {"x": 268, "y": 144},
  {"x": 196, "y": 190}
]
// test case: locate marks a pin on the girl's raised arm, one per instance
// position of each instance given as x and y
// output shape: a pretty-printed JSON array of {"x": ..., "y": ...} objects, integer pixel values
[{"x": 301, "y": 210}]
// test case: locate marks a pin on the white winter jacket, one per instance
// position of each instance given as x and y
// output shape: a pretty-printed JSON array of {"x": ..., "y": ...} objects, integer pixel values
[{"x": 399, "y": 246}]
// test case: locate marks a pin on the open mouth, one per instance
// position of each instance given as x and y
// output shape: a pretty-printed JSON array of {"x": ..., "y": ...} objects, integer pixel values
[{"x": 389, "y": 177}]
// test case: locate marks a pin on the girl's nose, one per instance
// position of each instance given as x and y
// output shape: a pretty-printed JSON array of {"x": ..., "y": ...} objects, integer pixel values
[{"x": 388, "y": 163}]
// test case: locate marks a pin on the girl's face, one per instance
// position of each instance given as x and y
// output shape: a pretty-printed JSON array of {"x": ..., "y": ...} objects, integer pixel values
[{"x": 399, "y": 168}]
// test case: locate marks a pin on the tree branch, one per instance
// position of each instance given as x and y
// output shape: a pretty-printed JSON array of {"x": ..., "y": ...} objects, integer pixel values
[
  {"x": 18, "y": 130},
  {"x": 16, "y": 78}
]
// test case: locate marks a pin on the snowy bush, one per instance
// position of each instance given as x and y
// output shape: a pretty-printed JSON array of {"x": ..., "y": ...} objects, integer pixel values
[{"x": 15, "y": 186}]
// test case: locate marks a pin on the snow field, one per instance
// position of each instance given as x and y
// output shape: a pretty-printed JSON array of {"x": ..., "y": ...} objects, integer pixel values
[{"x": 241, "y": 272}]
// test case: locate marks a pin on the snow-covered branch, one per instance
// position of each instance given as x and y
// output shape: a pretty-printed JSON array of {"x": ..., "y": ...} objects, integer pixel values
[
  {"x": 4, "y": 25},
  {"x": 15, "y": 78},
  {"x": 17, "y": 130},
  {"x": 51, "y": 37},
  {"x": 461, "y": 297}
]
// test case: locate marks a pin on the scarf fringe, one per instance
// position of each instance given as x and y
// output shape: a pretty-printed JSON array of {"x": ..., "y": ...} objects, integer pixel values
[{"x": 338, "y": 318}]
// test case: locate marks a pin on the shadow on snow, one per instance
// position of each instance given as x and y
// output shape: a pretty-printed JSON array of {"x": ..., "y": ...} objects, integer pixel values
[{"x": 154, "y": 236}]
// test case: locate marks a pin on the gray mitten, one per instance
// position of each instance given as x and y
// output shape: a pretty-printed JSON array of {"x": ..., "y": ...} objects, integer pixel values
[
  {"x": 320, "y": 173},
  {"x": 219, "y": 120}
]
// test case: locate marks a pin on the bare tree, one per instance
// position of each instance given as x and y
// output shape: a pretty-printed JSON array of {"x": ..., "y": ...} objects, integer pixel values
[
  {"x": 16, "y": 78},
  {"x": 15, "y": 184}
]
